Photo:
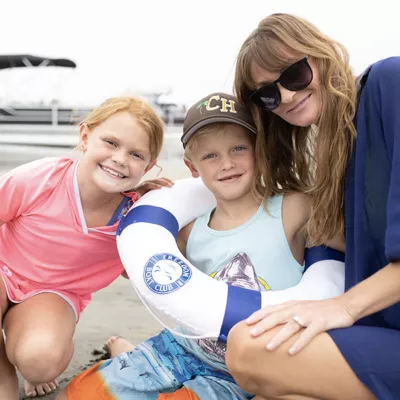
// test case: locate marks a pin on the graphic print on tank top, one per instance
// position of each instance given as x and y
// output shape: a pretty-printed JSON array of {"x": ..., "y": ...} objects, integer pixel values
[{"x": 240, "y": 272}]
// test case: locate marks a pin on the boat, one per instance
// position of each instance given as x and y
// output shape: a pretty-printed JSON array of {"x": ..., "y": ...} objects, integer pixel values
[
  {"x": 56, "y": 114},
  {"x": 31, "y": 130}
]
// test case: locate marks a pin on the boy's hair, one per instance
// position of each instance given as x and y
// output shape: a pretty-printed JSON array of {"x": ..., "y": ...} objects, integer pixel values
[
  {"x": 192, "y": 144},
  {"x": 137, "y": 108}
]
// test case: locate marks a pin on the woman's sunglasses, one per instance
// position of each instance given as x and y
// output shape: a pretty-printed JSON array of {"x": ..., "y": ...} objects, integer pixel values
[{"x": 296, "y": 77}]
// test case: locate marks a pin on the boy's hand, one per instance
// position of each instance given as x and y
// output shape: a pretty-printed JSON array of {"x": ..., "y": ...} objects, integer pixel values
[{"x": 153, "y": 184}]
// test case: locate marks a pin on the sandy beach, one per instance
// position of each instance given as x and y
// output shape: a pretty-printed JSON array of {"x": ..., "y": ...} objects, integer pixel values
[{"x": 115, "y": 310}]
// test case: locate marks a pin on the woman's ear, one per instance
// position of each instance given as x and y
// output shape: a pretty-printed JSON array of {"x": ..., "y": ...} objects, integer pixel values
[{"x": 192, "y": 168}]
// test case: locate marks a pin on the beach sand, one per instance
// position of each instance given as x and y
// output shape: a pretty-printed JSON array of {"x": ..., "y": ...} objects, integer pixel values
[{"x": 115, "y": 310}]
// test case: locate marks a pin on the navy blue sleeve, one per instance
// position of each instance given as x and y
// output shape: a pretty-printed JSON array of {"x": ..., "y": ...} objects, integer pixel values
[
  {"x": 315, "y": 254},
  {"x": 385, "y": 82}
]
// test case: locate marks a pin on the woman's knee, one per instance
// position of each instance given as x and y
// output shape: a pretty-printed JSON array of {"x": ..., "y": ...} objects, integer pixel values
[
  {"x": 40, "y": 357},
  {"x": 253, "y": 367},
  {"x": 240, "y": 357}
]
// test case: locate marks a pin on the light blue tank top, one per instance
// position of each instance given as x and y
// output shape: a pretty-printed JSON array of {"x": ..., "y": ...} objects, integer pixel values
[{"x": 255, "y": 255}]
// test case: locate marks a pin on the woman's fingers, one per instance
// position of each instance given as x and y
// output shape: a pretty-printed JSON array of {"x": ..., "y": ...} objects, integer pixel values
[
  {"x": 270, "y": 321},
  {"x": 266, "y": 311},
  {"x": 287, "y": 331},
  {"x": 305, "y": 337}
]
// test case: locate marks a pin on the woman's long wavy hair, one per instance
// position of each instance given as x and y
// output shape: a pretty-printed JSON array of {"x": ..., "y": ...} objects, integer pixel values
[{"x": 306, "y": 159}]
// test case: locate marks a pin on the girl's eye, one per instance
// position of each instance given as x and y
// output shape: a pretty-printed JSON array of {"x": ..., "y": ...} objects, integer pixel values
[{"x": 110, "y": 142}]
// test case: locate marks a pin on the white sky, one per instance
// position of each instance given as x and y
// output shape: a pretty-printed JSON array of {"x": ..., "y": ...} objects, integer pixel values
[{"x": 151, "y": 45}]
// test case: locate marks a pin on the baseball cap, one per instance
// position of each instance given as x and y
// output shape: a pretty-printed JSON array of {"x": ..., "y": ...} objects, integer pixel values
[{"x": 216, "y": 107}]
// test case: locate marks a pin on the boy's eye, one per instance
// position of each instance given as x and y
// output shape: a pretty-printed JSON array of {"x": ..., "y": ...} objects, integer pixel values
[
  {"x": 110, "y": 142},
  {"x": 239, "y": 148},
  {"x": 136, "y": 155},
  {"x": 209, "y": 156}
]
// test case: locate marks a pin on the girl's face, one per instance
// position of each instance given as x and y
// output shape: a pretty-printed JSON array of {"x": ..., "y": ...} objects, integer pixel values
[
  {"x": 116, "y": 153},
  {"x": 300, "y": 108}
]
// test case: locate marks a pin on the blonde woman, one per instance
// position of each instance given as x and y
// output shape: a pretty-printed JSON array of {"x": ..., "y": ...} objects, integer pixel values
[{"x": 325, "y": 133}]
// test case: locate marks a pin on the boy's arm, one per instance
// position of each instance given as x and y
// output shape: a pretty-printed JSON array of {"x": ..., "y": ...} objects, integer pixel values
[
  {"x": 324, "y": 268},
  {"x": 296, "y": 209},
  {"x": 183, "y": 236}
]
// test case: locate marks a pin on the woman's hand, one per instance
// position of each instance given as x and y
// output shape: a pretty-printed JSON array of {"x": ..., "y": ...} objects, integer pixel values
[
  {"x": 314, "y": 316},
  {"x": 153, "y": 184}
]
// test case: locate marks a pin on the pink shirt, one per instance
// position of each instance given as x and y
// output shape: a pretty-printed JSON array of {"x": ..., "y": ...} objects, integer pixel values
[{"x": 45, "y": 239}]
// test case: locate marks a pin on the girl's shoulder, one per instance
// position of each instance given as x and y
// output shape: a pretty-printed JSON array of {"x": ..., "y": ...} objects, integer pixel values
[
  {"x": 29, "y": 184},
  {"x": 43, "y": 166}
]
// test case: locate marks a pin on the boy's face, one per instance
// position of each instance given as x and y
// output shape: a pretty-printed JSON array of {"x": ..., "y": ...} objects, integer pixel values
[{"x": 225, "y": 162}]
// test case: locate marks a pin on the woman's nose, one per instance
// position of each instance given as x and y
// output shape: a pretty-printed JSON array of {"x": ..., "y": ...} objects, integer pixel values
[{"x": 286, "y": 95}]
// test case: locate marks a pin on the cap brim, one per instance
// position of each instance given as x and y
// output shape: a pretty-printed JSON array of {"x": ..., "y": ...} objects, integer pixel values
[{"x": 212, "y": 120}]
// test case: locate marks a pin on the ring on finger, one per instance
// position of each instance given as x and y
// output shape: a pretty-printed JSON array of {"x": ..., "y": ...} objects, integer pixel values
[{"x": 297, "y": 319}]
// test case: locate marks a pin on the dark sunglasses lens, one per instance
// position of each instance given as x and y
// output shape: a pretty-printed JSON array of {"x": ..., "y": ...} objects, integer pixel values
[
  {"x": 267, "y": 97},
  {"x": 298, "y": 76}
]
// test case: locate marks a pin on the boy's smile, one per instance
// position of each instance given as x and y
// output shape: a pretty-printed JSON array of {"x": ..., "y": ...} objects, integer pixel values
[{"x": 225, "y": 162}]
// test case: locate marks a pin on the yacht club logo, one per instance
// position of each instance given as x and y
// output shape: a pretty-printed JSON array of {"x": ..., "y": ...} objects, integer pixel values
[{"x": 165, "y": 273}]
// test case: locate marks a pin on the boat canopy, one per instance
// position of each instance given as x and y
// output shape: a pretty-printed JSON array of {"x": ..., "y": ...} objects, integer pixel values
[{"x": 25, "y": 60}]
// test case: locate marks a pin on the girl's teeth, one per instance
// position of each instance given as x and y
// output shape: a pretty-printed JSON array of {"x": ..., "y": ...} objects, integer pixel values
[{"x": 112, "y": 172}]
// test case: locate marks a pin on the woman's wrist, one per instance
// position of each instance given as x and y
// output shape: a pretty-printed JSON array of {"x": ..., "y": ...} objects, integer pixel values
[
  {"x": 353, "y": 303},
  {"x": 374, "y": 294}
]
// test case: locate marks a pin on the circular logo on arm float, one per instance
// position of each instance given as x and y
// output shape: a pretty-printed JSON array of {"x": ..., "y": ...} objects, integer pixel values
[{"x": 165, "y": 273}]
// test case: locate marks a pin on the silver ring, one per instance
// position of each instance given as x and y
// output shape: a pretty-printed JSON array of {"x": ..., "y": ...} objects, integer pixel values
[{"x": 297, "y": 319}]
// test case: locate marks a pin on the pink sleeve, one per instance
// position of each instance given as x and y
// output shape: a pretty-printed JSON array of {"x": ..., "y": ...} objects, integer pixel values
[{"x": 28, "y": 184}]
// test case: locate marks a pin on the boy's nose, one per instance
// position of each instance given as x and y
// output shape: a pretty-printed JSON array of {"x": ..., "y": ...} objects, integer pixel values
[{"x": 227, "y": 163}]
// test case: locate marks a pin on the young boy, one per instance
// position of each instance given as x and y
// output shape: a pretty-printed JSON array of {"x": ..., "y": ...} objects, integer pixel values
[{"x": 245, "y": 241}]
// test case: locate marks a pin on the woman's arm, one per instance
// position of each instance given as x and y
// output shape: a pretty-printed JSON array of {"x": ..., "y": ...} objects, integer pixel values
[
  {"x": 374, "y": 294},
  {"x": 380, "y": 290}
]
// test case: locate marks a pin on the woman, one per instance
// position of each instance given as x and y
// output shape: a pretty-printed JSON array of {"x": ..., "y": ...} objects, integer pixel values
[{"x": 323, "y": 133}]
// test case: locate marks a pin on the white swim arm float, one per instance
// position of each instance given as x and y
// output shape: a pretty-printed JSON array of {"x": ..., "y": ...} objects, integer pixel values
[{"x": 170, "y": 286}]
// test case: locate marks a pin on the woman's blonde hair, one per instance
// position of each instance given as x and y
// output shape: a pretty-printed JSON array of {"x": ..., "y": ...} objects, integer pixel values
[
  {"x": 302, "y": 158},
  {"x": 137, "y": 108},
  {"x": 216, "y": 129}
]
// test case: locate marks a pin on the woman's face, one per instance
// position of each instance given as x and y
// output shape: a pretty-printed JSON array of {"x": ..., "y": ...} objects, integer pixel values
[{"x": 297, "y": 108}]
